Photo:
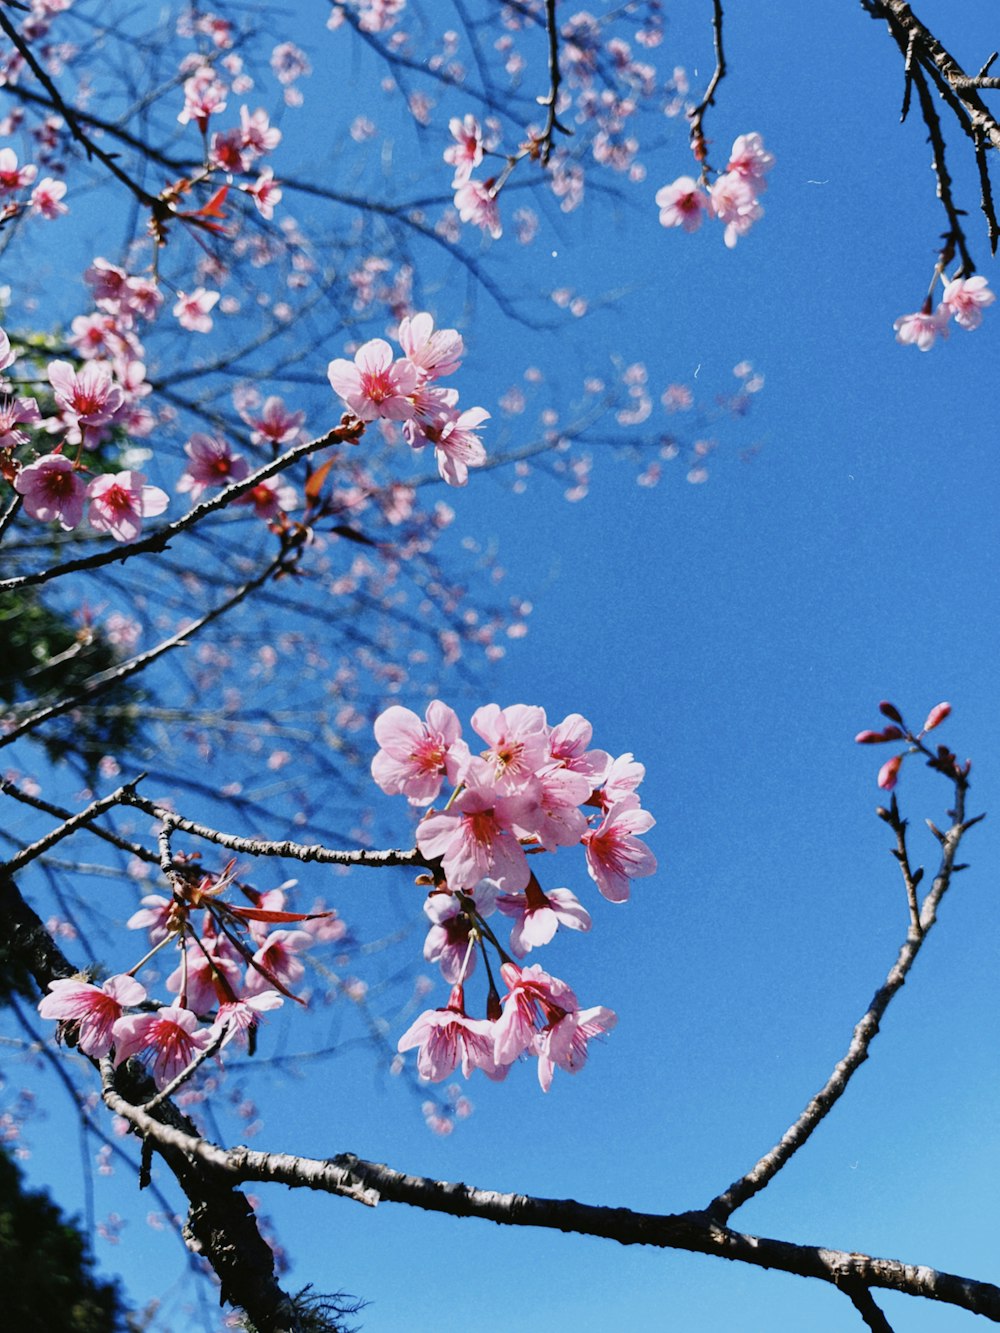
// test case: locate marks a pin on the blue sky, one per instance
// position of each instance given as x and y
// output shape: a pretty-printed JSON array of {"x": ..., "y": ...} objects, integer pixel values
[{"x": 733, "y": 635}]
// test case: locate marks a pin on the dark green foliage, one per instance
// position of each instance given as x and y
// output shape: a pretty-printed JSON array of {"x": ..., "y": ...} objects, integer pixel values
[
  {"x": 45, "y": 657},
  {"x": 47, "y": 1283}
]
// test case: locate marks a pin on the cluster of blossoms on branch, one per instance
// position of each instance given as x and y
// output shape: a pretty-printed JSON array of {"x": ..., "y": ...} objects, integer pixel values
[
  {"x": 733, "y": 198},
  {"x": 234, "y": 966},
  {"x": 378, "y": 386},
  {"x": 532, "y": 789},
  {"x": 897, "y": 730},
  {"x": 964, "y": 300},
  {"x": 53, "y": 490}
]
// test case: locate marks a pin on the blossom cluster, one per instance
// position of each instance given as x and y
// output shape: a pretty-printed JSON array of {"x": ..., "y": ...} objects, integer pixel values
[
  {"x": 379, "y": 386},
  {"x": 234, "y": 967},
  {"x": 733, "y": 197},
  {"x": 532, "y": 789},
  {"x": 964, "y": 300},
  {"x": 52, "y": 487}
]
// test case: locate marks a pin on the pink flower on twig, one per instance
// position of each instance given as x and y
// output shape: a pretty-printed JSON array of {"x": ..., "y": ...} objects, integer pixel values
[
  {"x": 53, "y": 491},
  {"x": 91, "y": 1010},
  {"x": 120, "y": 501},
  {"x": 447, "y": 1037},
  {"x": 374, "y": 385},
  {"x": 167, "y": 1041}
]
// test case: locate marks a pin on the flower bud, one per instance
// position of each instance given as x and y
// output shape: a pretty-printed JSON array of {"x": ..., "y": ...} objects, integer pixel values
[
  {"x": 936, "y": 716},
  {"x": 891, "y": 711},
  {"x": 887, "y": 774},
  {"x": 877, "y": 737}
]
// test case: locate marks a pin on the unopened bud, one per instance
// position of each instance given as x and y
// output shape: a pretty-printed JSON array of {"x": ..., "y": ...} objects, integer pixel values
[
  {"x": 877, "y": 737},
  {"x": 890, "y": 710},
  {"x": 889, "y": 771},
  {"x": 936, "y": 716}
]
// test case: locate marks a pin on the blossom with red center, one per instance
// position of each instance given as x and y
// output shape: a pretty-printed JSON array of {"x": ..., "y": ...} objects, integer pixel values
[
  {"x": 447, "y": 1037},
  {"x": 472, "y": 839},
  {"x": 88, "y": 395},
  {"x": 237, "y": 1018},
  {"x": 682, "y": 204},
  {"x": 538, "y": 915},
  {"x": 375, "y": 385},
  {"x": 47, "y": 198},
  {"x": 475, "y": 203},
  {"x": 615, "y": 856},
  {"x": 210, "y": 974},
  {"x": 415, "y": 756},
  {"x": 966, "y": 299},
  {"x": 922, "y": 327},
  {"x": 120, "y": 501},
  {"x": 751, "y": 160},
  {"x": 533, "y": 999},
  {"x": 518, "y": 740},
  {"x": 166, "y": 1041},
  {"x": 733, "y": 201},
  {"x": 564, "y": 1042},
  {"x": 213, "y": 463},
  {"x": 447, "y": 941},
  {"x": 276, "y": 424},
  {"x": 555, "y": 819},
  {"x": 91, "y": 1010},
  {"x": 204, "y": 96},
  {"x": 12, "y": 177},
  {"x": 568, "y": 746},
  {"x": 192, "y": 310},
  {"x": 278, "y": 956},
  {"x": 53, "y": 491},
  {"x": 265, "y": 192},
  {"x": 466, "y": 152},
  {"x": 270, "y": 497}
]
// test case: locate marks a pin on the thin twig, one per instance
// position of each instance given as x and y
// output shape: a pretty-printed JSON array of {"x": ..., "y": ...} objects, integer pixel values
[{"x": 67, "y": 827}]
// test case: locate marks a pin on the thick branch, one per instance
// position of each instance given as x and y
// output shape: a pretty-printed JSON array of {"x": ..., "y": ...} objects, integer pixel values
[{"x": 370, "y": 1183}]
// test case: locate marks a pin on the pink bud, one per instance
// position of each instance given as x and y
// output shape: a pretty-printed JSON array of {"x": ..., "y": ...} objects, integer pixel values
[
  {"x": 936, "y": 716},
  {"x": 888, "y": 772},
  {"x": 877, "y": 737},
  {"x": 890, "y": 710}
]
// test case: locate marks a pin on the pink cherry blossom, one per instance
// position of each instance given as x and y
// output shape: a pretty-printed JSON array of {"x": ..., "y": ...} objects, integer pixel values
[
  {"x": 966, "y": 299},
  {"x": 466, "y": 152},
  {"x": 457, "y": 447},
  {"x": 53, "y": 491},
  {"x": 192, "y": 310},
  {"x": 211, "y": 974},
  {"x": 751, "y": 160},
  {"x": 623, "y": 778},
  {"x": 682, "y": 204},
  {"x": 213, "y": 463},
  {"x": 533, "y": 999},
  {"x": 447, "y": 941},
  {"x": 554, "y": 819},
  {"x": 278, "y": 956},
  {"x": 166, "y": 1041},
  {"x": 256, "y": 131},
  {"x": 564, "y": 1041},
  {"x": 120, "y": 501},
  {"x": 733, "y": 201},
  {"x": 276, "y": 424},
  {"x": 265, "y": 192},
  {"x": 447, "y": 1037},
  {"x": 12, "y": 177},
  {"x": 434, "y": 352},
  {"x": 47, "y": 198},
  {"x": 888, "y": 774},
  {"x": 93, "y": 1010},
  {"x": 615, "y": 856},
  {"x": 237, "y": 1018},
  {"x": 154, "y": 915},
  {"x": 568, "y": 746},
  {"x": 922, "y": 327},
  {"x": 270, "y": 497},
  {"x": 7, "y": 354},
  {"x": 415, "y": 756},
  {"x": 88, "y": 395},
  {"x": 538, "y": 915},
  {"x": 475, "y": 203},
  {"x": 518, "y": 741},
  {"x": 204, "y": 96},
  {"x": 374, "y": 385},
  {"x": 16, "y": 412},
  {"x": 471, "y": 839}
]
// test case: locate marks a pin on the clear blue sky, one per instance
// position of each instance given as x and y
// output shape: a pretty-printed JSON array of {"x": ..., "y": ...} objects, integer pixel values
[{"x": 733, "y": 635}]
